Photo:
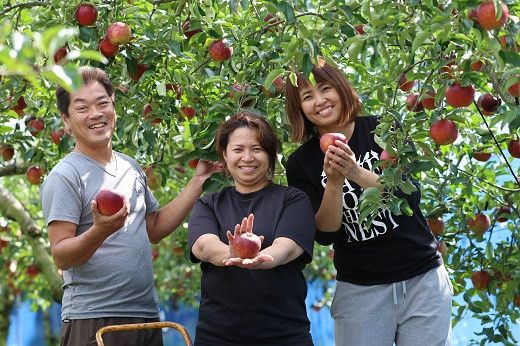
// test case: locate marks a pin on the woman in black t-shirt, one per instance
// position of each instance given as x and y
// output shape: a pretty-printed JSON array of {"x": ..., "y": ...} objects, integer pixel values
[
  {"x": 392, "y": 285},
  {"x": 261, "y": 300}
]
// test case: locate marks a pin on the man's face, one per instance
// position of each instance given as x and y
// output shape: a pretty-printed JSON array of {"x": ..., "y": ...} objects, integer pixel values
[{"x": 92, "y": 117}]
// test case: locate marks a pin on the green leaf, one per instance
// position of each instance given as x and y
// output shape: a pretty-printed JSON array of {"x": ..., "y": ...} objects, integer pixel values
[
  {"x": 419, "y": 39},
  {"x": 272, "y": 76}
]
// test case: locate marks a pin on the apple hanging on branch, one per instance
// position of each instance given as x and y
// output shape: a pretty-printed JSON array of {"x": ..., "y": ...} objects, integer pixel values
[
  {"x": 480, "y": 224},
  {"x": 480, "y": 279},
  {"x": 220, "y": 50},
  {"x": 444, "y": 131},
  {"x": 86, "y": 14},
  {"x": 119, "y": 33}
]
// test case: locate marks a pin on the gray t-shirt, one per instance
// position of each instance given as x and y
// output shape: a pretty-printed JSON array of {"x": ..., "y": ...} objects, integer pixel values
[{"x": 117, "y": 281}]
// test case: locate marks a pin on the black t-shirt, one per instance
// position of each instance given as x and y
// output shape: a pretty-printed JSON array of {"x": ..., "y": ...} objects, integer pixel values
[
  {"x": 394, "y": 248},
  {"x": 254, "y": 307}
]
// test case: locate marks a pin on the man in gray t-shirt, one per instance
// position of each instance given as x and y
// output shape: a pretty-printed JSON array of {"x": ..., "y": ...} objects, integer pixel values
[{"x": 106, "y": 260}]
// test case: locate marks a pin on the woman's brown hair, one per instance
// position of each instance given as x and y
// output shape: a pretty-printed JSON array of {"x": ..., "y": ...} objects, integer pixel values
[
  {"x": 266, "y": 136},
  {"x": 301, "y": 127}
]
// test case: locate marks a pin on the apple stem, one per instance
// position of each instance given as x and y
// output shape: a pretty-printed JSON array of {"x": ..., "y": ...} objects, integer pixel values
[{"x": 498, "y": 146}]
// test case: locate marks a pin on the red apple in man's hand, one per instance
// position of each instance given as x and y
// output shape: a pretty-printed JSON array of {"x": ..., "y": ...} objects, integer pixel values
[
  {"x": 109, "y": 201},
  {"x": 480, "y": 223},
  {"x": 330, "y": 139},
  {"x": 480, "y": 279},
  {"x": 246, "y": 245}
]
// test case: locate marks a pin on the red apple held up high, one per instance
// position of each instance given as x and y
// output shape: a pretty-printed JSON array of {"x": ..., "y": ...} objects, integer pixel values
[
  {"x": 119, "y": 33},
  {"x": 246, "y": 245},
  {"x": 480, "y": 224},
  {"x": 86, "y": 14},
  {"x": 220, "y": 50},
  {"x": 330, "y": 139},
  {"x": 404, "y": 85},
  {"x": 109, "y": 201},
  {"x": 459, "y": 96},
  {"x": 444, "y": 131},
  {"x": 436, "y": 226},
  {"x": 503, "y": 213},
  {"x": 34, "y": 175},
  {"x": 513, "y": 146},
  {"x": 480, "y": 279},
  {"x": 487, "y": 16}
]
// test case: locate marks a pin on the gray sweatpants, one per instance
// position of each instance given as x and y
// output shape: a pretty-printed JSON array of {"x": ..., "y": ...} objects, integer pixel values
[{"x": 408, "y": 313}]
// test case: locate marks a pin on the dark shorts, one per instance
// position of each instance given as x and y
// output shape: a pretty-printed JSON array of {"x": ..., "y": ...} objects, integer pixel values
[{"x": 83, "y": 332}]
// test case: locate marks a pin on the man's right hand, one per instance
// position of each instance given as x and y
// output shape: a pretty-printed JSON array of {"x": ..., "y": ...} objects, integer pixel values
[{"x": 110, "y": 223}]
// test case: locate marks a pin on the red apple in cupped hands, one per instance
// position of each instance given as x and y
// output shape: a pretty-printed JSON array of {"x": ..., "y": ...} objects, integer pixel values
[
  {"x": 241, "y": 89},
  {"x": 480, "y": 224},
  {"x": 36, "y": 126},
  {"x": 20, "y": 106},
  {"x": 330, "y": 138},
  {"x": 278, "y": 87},
  {"x": 389, "y": 159},
  {"x": 140, "y": 68},
  {"x": 428, "y": 100},
  {"x": 106, "y": 48},
  {"x": 60, "y": 54},
  {"x": 436, "y": 226},
  {"x": 514, "y": 90},
  {"x": 56, "y": 136},
  {"x": 481, "y": 155},
  {"x": 404, "y": 85},
  {"x": 7, "y": 153},
  {"x": 502, "y": 213},
  {"x": 86, "y": 14},
  {"x": 109, "y": 201},
  {"x": 412, "y": 104},
  {"x": 119, "y": 33},
  {"x": 476, "y": 66},
  {"x": 189, "y": 112},
  {"x": 147, "y": 109},
  {"x": 246, "y": 245},
  {"x": 220, "y": 50},
  {"x": 480, "y": 279},
  {"x": 34, "y": 175},
  {"x": 487, "y": 16},
  {"x": 443, "y": 249},
  {"x": 273, "y": 20},
  {"x": 459, "y": 96},
  {"x": 193, "y": 163},
  {"x": 488, "y": 103},
  {"x": 186, "y": 29},
  {"x": 444, "y": 131},
  {"x": 513, "y": 146}
]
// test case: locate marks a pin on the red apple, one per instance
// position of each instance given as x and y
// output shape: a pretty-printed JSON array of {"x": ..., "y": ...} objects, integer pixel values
[
  {"x": 516, "y": 301},
  {"x": 4, "y": 243},
  {"x": 513, "y": 146},
  {"x": 7, "y": 153},
  {"x": 60, "y": 54},
  {"x": 488, "y": 103},
  {"x": 388, "y": 159},
  {"x": 481, "y": 155},
  {"x": 271, "y": 19},
  {"x": 428, "y": 101},
  {"x": 36, "y": 126},
  {"x": 155, "y": 254},
  {"x": 444, "y": 131},
  {"x": 34, "y": 175},
  {"x": 514, "y": 90},
  {"x": 20, "y": 106},
  {"x": 472, "y": 15},
  {"x": 359, "y": 29},
  {"x": 181, "y": 169},
  {"x": 404, "y": 85},
  {"x": 278, "y": 87},
  {"x": 412, "y": 104},
  {"x": 86, "y": 14},
  {"x": 189, "y": 112},
  {"x": 109, "y": 201},
  {"x": 450, "y": 67},
  {"x": 480, "y": 279},
  {"x": 56, "y": 136},
  {"x": 139, "y": 72},
  {"x": 106, "y": 48},
  {"x": 175, "y": 88},
  {"x": 154, "y": 179},
  {"x": 330, "y": 139},
  {"x": 246, "y": 245},
  {"x": 476, "y": 66},
  {"x": 443, "y": 249},
  {"x": 459, "y": 96},
  {"x": 147, "y": 109},
  {"x": 193, "y": 163},
  {"x": 220, "y": 50},
  {"x": 119, "y": 33},
  {"x": 32, "y": 270},
  {"x": 241, "y": 89},
  {"x": 480, "y": 224},
  {"x": 436, "y": 226},
  {"x": 178, "y": 250},
  {"x": 189, "y": 33},
  {"x": 487, "y": 16},
  {"x": 503, "y": 213}
]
